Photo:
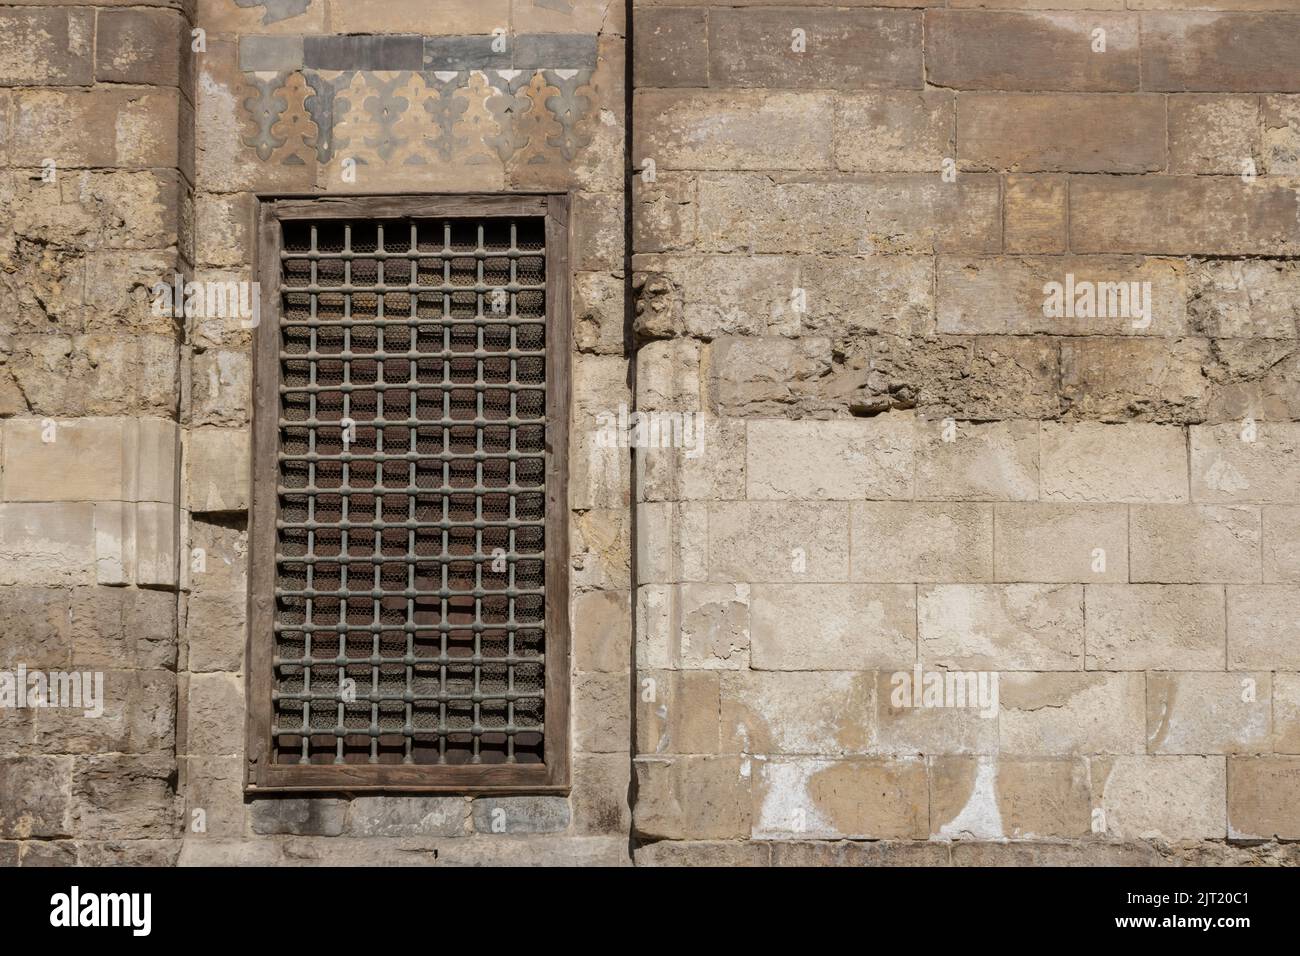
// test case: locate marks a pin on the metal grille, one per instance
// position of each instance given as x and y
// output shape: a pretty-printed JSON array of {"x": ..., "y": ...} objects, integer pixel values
[{"x": 409, "y": 566}]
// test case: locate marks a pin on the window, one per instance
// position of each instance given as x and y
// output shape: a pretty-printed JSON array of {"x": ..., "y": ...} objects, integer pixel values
[{"x": 408, "y": 588}]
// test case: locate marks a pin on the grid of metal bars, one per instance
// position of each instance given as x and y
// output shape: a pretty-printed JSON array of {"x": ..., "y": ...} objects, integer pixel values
[{"x": 409, "y": 565}]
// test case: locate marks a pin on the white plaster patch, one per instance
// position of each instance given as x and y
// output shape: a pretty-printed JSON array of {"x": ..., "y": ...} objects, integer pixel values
[{"x": 980, "y": 819}]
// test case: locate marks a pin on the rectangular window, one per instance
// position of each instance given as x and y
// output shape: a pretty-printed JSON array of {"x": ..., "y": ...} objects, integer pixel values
[{"x": 408, "y": 585}]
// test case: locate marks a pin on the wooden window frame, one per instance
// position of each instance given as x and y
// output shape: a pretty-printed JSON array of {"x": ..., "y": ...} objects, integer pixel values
[{"x": 265, "y": 776}]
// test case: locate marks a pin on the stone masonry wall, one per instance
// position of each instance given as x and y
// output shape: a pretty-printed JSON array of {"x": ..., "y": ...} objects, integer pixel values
[
  {"x": 845, "y": 223},
  {"x": 889, "y": 455},
  {"x": 96, "y": 173},
  {"x": 123, "y": 539}
]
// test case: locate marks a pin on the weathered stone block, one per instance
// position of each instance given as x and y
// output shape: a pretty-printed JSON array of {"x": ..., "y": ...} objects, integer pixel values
[
  {"x": 1183, "y": 215},
  {"x": 696, "y": 626},
  {"x": 854, "y": 853},
  {"x": 984, "y": 798},
  {"x": 765, "y": 376},
  {"x": 837, "y": 460},
  {"x": 36, "y": 629},
  {"x": 139, "y": 715},
  {"x": 882, "y": 213},
  {"x": 1281, "y": 544},
  {"x": 664, "y": 210},
  {"x": 215, "y": 630},
  {"x": 1209, "y": 713},
  {"x": 734, "y": 129},
  {"x": 81, "y": 127},
  {"x": 602, "y": 630},
  {"x": 1253, "y": 378},
  {"x": 723, "y": 295},
  {"x": 1033, "y": 213},
  {"x": 1211, "y": 133},
  {"x": 47, "y": 543},
  {"x": 1235, "y": 298},
  {"x": 90, "y": 459},
  {"x": 710, "y": 466},
  {"x": 977, "y": 461},
  {"x": 35, "y": 797},
  {"x": 921, "y": 541},
  {"x": 212, "y": 789},
  {"x": 217, "y": 559},
  {"x": 218, "y": 469},
  {"x": 1051, "y": 133},
  {"x": 1281, "y": 125},
  {"x": 601, "y": 794},
  {"x": 1263, "y": 798},
  {"x": 671, "y": 48},
  {"x": 215, "y": 715},
  {"x": 858, "y": 798},
  {"x": 1155, "y": 626},
  {"x": 521, "y": 814},
  {"x": 1263, "y": 629},
  {"x": 671, "y": 382},
  {"x": 1001, "y": 627},
  {"x": 1051, "y": 542},
  {"x": 832, "y": 626},
  {"x": 1010, "y": 296},
  {"x": 842, "y": 49},
  {"x": 1060, "y": 714},
  {"x": 711, "y": 853},
  {"x": 601, "y": 714},
  {"x": 1195, "y": 543},
  {"x": 49, "y": 853},
  {"x": 778, "y": 541},
  {"x": 117, "y": 796},
  {"x": 1089, "y": 461},
  {"x": 672, "y": 542},
  {"x": 677, "y": 712},
  {"x": 1162, "y": 798},
  {"x": 112, "y": 627},
  {"x": 905, "y": 725},
  {"x": 601, "y": 548},
  {"x": 597, "y": 221},
  {"x": 305, "y": 816},
  {"x": 47, "y": 46},
  {"x": 887, "y": 132},
  {"x": 598, "y": 313},
  {"x": 1235, "y": 463},
  {"x": 222, "y": 387},
  {"x": 692, "y": 798},
  {"x": 453, "y": 17},
  {"x": 975, "y": 49},
  {"x": 150, "y": 47},
  {"x": 1130, "y": 378},
  {"x": 1031, "y": 854},
  {"x": 1286, "y": 713},
  {"x": 1212, "y": 51},
  {"x": 398, "y": 816},
  {"x": 136, "y": 543},
  {"x": 829, "y": 713}
]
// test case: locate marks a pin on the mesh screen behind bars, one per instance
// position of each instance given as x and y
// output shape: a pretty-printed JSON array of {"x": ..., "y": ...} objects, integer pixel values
[{"x": 409, "y": 564}]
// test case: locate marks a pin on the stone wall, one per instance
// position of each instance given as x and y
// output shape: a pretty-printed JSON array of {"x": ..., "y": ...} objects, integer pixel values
[
  {"x": 123, "y": 542},
  {"x": 872, "y": 449},
  {"x": 846, "y": 219},
  {"x": 96, "y": 179}
]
